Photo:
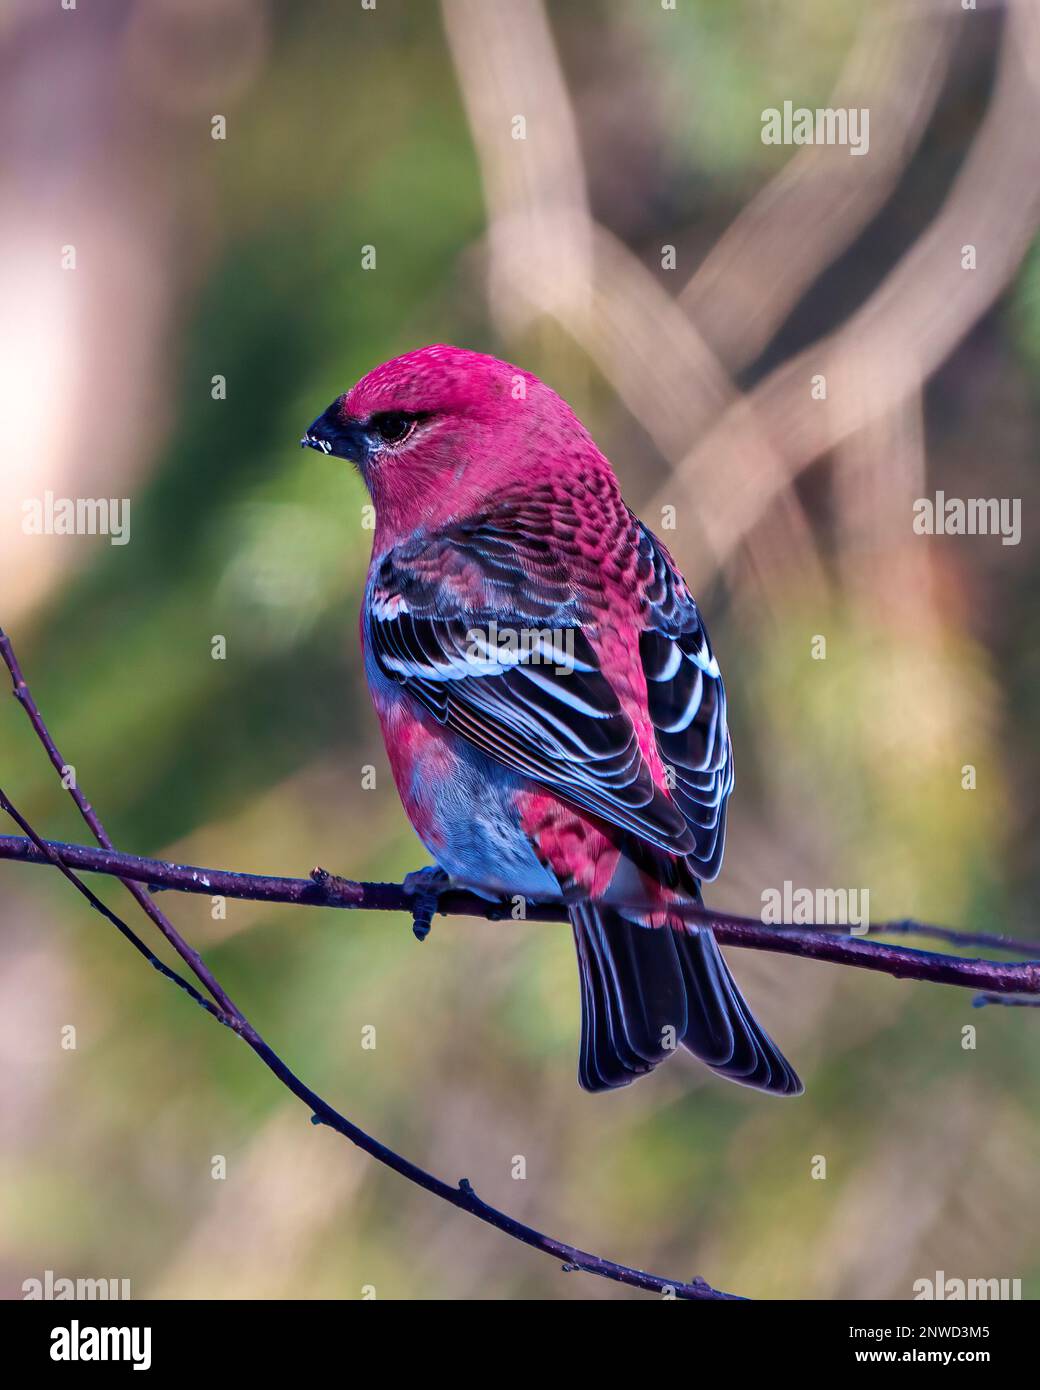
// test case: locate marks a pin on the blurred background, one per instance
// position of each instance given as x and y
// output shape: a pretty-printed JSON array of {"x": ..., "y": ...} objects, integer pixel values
[{"x": 681, "y": 284}]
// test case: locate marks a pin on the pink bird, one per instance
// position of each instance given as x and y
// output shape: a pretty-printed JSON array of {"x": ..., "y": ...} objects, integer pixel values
[{"x": 553, "y": 713}]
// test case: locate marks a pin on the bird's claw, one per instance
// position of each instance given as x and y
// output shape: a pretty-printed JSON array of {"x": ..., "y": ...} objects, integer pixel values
[{"x": 425, "y": 887}]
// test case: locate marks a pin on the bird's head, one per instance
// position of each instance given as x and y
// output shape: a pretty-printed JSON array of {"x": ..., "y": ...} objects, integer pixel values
[{"x": 437, "y": 432}]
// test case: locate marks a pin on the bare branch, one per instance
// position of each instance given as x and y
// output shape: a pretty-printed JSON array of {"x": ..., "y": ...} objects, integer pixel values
[
  {"x": 814, "y": 943},
  {"x": 51, "y": 854},
  {"x": 1008, "y": 1001},
  {"x": 190, "y": 956}
]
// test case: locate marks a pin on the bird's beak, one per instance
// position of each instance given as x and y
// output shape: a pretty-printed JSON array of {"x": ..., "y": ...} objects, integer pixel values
[{"x": 330, "y": 435}]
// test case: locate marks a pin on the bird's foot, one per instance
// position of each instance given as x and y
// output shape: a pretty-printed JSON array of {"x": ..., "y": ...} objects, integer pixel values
[{"x": 425, "y": 887}]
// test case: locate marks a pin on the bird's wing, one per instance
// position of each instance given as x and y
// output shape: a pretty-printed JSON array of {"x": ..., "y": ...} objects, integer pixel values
[
  {"x": 687, "y": 703},
  {"x": 481, "y": 624}
]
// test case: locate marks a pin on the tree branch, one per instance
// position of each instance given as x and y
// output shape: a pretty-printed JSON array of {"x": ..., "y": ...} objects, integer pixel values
[
  {"x": 462, "y": 1196},
  {"x": 327, "y": 890}
]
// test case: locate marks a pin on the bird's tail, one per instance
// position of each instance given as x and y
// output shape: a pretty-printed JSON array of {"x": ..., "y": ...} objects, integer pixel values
[{"x": 646, "y": 990}]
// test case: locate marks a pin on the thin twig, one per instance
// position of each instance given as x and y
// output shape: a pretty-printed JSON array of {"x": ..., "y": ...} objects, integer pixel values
[
  {"x": 462, "y": 1196},
  {"x": 188, "y": 954},
  {"x": 1007, "y": 1000},
  {"x": 51, "y": 854}
]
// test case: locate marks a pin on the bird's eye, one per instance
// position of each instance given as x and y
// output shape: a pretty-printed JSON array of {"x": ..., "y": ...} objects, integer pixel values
[{"x": 392, "y": 427}]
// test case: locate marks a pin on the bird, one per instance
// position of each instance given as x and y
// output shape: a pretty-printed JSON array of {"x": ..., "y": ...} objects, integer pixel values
[{"x": 553, "y": 712}]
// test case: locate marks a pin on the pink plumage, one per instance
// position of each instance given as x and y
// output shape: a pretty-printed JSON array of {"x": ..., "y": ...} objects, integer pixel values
[{"x": 553, "y": 712}]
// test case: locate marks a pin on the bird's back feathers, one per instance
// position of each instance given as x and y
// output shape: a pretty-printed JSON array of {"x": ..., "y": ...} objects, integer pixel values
[{"x": 441, "y": 605}]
